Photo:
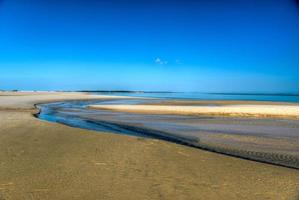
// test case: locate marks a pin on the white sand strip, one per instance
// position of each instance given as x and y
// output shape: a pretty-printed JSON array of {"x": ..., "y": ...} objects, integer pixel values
[{"x": 232, "y": 110}]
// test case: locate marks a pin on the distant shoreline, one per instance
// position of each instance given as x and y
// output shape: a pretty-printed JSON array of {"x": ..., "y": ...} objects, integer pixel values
[
  {"x": 162, "y": 92},
  {"x": 259, "y": 94}
]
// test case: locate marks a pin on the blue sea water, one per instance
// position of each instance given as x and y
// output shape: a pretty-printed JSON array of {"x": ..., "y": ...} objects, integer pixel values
[{"x": 294, "y": 98}]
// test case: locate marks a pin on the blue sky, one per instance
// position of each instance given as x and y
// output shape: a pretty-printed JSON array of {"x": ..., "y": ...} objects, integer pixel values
[{"x": 207, "y": 46}]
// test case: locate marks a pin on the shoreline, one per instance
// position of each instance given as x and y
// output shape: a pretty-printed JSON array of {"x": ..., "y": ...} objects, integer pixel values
[
  {"x": 243, "y": 110},
  {"x": 44, "y": 160}
]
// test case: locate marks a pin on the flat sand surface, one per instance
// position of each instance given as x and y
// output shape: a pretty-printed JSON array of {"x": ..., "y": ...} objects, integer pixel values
[
  {"x": 42, "y": 160},
  {"x": 258, "y": 110},
  {"x": 26, "y": 100}
]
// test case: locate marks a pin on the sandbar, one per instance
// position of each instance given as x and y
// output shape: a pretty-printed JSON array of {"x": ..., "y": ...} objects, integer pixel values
[{"x": 243, "y": 110}]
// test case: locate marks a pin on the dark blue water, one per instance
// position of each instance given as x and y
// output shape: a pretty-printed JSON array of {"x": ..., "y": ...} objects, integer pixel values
[{"x": 210, "y": 96}]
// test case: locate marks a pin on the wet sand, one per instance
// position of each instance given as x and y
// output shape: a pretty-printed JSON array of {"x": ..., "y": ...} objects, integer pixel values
[
  {"x": 42, "y": 160},
  {"x": 270, "y": 140}
]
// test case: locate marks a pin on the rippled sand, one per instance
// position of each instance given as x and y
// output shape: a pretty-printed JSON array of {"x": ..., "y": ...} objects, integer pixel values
[{"x": 42, "y": 160}]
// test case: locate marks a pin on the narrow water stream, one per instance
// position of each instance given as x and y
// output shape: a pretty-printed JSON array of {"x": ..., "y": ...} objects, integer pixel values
[{"x": 273, "y": 141}]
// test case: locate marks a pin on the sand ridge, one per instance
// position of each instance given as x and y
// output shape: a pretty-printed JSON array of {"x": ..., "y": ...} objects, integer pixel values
[{"x": 230, "y": 110}]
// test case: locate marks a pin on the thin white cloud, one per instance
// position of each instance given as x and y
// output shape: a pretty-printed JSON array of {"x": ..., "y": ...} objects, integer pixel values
[{"x": 159, "y": 61}]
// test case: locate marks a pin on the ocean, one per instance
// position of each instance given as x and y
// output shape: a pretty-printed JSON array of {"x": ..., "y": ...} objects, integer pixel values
[{"x": 279, "y": 97}]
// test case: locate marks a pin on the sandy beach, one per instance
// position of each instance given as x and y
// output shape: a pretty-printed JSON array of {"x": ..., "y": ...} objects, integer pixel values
[
  {"x": 243, "y": 110},
  {"x": 43, "y": 160}
]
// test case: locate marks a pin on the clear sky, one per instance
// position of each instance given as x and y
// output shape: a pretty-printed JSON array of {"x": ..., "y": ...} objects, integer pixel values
[{"x": 176, "y": 45}]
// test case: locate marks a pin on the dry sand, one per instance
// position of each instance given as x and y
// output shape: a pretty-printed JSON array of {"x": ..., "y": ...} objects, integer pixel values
[
  {"x": 42, "y": 160},
  {"x": 26, "y": 100},
  {"x": 288, "y": 111}
]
